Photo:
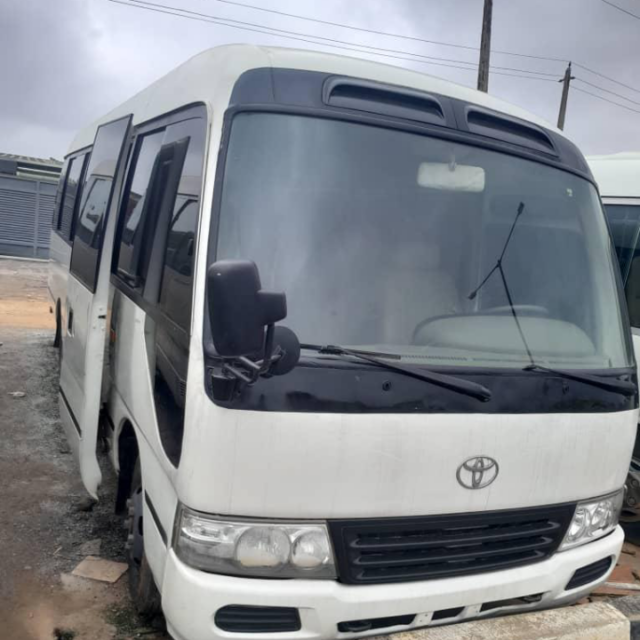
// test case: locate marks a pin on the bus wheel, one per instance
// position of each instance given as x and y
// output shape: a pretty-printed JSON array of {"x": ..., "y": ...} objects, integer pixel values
[
  {"x": 144, "y": 593},
  {"x": 57, "y": 341}
]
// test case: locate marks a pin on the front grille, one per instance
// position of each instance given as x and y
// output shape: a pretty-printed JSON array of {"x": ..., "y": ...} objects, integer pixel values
[
  {"x": 248, "y": 619},
  {"x": 406, "y": 549}
]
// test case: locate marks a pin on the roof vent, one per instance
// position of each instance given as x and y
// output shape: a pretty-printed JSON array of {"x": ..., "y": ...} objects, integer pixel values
[
  {"x": 507, "y": 129},
  {"x": 389, "y": 100}
]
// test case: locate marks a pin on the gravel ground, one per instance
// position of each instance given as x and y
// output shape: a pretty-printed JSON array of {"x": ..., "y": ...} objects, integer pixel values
[{"x": 43, "y": 516}]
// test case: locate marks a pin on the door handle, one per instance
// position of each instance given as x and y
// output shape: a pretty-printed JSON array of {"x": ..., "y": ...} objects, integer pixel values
[{"x": 70, "y": 322}]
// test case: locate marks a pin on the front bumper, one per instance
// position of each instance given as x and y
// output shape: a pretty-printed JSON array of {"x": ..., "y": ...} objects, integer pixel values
[{"x": 190, "y": 598}]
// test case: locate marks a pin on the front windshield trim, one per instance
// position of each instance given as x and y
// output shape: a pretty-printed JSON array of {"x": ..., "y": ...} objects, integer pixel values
[{"x": 382, "y": 122}]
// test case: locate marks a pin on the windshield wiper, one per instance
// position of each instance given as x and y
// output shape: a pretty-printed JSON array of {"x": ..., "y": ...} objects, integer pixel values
[
  {"x": 473, "y": 389},
  {"x": 609, "y": 384}
]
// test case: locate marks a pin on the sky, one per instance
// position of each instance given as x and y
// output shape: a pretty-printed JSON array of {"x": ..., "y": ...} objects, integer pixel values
[{"x": 67, "y": 62}]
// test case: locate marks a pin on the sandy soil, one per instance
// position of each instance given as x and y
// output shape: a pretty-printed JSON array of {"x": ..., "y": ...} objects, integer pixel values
[
  {"x": 24, "y": 297},
  {"x": 42, "y": 522}
]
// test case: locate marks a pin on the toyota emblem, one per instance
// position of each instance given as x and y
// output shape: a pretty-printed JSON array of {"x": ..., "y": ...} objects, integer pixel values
[{"x": 477, "y": 472}]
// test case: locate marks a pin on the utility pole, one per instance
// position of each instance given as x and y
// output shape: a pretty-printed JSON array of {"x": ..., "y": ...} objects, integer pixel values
[
  {"x": 566, "y": 81},
  {"x": 485, "y": 47}
]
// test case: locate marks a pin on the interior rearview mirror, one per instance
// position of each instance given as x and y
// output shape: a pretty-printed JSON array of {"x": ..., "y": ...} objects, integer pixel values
[
  {"x": 451, "y": 177},
  {"x": 239, "y": 311}
]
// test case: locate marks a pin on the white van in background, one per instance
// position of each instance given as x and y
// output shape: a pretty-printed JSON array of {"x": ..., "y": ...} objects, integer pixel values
[
  {"x": 442, "y": 429},
  {"x": 618, "y": 178}
]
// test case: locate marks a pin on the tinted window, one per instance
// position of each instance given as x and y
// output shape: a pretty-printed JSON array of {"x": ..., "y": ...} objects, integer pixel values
[
  {"x": 95, "y": 201},
  {"x": 135, "y": 200},
  {"x": 624, "y": 221},
  {"x": 71, "y": 191},
  {"x": 55, "y": 218},
  {"x": 411, "y": 245},
  {"x": 177, "y": 275}
]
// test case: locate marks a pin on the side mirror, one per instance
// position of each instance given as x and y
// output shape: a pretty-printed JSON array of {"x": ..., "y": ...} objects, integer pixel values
[{"x": 239, "y": 311}]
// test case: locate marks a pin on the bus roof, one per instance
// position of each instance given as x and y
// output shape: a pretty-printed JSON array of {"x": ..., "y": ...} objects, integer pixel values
[
  {"x": 617, "y": 175},
  {"x": 209, "y": 78}
]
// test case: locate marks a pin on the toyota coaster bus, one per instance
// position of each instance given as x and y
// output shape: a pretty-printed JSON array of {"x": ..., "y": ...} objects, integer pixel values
[
  {"x": 357, "y": 341},
  {"x": 618, "y": 178}
]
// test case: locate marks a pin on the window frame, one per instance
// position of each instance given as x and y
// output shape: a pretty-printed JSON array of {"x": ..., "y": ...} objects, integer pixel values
[
  {"x": 113, "y": 196},
  {"x": 130, "y": 169},
  {"x": 57, "y": 217},
  {"x": 136, "y": 293}
]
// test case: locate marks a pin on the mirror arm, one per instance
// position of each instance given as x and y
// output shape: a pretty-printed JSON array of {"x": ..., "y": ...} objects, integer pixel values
[
  {"x": 267, "y": 361},
  {"x": 236, "y": 373}
]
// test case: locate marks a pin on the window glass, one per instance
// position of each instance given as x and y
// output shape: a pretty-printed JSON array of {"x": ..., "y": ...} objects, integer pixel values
[
  {"x": 624, "y": 221},
  {"x": 147, "y": 149},
  {"x": 411, "y": 245},
  {"x": 70, "y": 196},
  {"x": 55, "y": 218},
  {"x": 96, "y": 197},
  {"x": 177, "y": 276}
]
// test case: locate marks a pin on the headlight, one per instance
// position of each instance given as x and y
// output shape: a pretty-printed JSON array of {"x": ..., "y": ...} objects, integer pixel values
[
  {"x": 593, "y": 519},
  {"x": 253, "y": 548}
]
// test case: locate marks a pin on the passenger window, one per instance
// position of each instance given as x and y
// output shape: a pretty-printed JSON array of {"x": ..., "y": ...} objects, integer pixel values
[
  {"x": 55, "y": 218},
  {"x": 177, "y": 266},
  {"x": 71, "y": 191},
  {"x": 96, "y": 197},
  {"x": 135, "y": 202}
]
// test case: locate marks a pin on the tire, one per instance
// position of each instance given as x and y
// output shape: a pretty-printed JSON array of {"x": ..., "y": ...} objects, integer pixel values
[
  {"x": 631, "y": 532},
  {"x": 630, "y": 516},
  {"x": 57, "y": 340},
  {"x": 144, "y": 593}
]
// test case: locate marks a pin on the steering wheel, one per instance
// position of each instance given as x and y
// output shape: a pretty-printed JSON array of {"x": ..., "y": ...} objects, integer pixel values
[{"x": 524, "y": 309}]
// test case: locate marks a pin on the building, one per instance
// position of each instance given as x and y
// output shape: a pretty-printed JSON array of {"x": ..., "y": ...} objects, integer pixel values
[{"x": 27, "y": 194}]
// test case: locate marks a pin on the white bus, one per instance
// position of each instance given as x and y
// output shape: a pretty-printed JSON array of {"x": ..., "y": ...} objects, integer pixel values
[
  {"x": 356, "y": 338},
  {"x": 618, "y": 177}
]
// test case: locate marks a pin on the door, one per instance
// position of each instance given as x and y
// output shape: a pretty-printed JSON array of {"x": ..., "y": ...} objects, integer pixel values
[{"x": 84, "y": 333}]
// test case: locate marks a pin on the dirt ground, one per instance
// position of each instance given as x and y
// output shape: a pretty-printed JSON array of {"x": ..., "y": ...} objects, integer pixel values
[{"x": 44, "y": 520}]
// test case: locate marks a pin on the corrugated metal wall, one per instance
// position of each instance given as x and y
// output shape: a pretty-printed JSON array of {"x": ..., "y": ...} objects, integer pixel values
[{"x": 26, "y": 207}]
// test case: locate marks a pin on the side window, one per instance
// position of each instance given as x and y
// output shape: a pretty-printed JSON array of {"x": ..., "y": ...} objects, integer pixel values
[
  {"x": 96, "y": 198},
  {"x": 176, "y": 285},
  {"x": 55, "y": 218},
  {"x": 624, "y": 222},
  {"x": 71, "y": 192},
  {"x": 134, "y": 203}
]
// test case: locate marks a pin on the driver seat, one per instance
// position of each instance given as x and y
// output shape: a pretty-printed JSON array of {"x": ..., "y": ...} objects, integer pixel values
[{"x": 416, "y": 288}]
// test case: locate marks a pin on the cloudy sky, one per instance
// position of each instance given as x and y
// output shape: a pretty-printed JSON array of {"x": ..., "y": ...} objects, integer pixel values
[{"x": 66, "y": 62}]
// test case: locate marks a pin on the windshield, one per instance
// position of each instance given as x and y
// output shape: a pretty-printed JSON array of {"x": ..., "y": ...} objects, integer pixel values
[
  {"x": 380, "y": 238},
  {"x": 624, "y": 221}
]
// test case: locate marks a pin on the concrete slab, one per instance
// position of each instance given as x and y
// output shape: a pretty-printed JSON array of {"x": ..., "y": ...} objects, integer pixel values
[
  {"x": 597, "y": 621},
  {"x": 99, "y": 569}
]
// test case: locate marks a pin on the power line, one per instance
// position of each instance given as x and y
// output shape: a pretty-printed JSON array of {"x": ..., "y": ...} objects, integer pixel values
[
  {"x": 424, "y": 40},
  {"x": 295, "y": 34},
  {"x": 384, "y": 33},
  {"x": 602, "y": 75},
  {"x": 355, "y": 47},
  {"x": 615, "y": 6},
  {"x": 613, "y": 93},
  {"x": 358, "y": 48},
  {"x": 595, "y": 95}
]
